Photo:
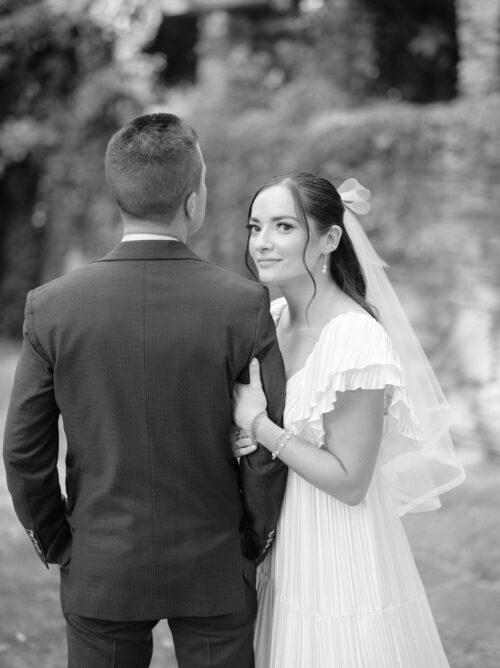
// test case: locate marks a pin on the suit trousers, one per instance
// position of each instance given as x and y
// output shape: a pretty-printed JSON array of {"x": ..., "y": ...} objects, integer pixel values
[{"x": 222, "y": 641}]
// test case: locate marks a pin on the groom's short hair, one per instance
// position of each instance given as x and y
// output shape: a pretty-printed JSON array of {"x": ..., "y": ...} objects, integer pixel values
[{"x": 152, "y": 164}]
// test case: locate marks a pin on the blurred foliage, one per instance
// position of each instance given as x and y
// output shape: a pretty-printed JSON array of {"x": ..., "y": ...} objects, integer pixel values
[
  {"x": 331, "y": 45},
  {"x": 416, "y": 47},
  {"x": 356, "y": 49},
  {"x": 63, "y": 92},
  {"x": 312, "y": 90}
]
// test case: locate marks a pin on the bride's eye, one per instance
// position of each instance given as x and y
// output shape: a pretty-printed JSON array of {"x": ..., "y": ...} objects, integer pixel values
[
  {"x": 285, "y": 227},
  {"x": 252, "y": 227}
]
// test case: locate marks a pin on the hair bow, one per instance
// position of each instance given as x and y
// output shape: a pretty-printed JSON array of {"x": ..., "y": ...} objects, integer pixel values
[{"x": 354, "y": 196}]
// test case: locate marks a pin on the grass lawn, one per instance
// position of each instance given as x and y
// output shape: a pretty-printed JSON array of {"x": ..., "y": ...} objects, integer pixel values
[{"x": 457, "y": 550}]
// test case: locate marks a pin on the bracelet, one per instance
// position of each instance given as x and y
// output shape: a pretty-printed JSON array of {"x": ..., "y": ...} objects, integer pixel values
[
  {"x": 281, "y": 443},
  {"x": 255, "y": 424}
]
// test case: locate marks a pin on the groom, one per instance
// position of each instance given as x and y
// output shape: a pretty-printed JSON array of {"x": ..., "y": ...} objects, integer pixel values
[{"x": 139, "y": 352}]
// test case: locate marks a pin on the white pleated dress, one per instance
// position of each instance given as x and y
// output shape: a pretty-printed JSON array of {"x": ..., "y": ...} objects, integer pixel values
[{"x": 339, "y": 588}]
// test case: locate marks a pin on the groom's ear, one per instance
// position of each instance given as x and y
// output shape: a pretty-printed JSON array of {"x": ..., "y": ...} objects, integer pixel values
[{"x": 190, "y": 205}]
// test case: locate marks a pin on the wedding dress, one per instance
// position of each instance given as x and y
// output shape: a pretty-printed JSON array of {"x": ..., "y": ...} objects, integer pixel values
[{"x": 340, "y": 588}]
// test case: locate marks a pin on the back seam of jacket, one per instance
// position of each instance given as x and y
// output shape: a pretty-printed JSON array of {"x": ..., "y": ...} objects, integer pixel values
[{"x": 148, "y": 434}]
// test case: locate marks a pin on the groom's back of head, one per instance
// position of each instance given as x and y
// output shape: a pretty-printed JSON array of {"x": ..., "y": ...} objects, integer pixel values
[{"x": 152, "y": 164}]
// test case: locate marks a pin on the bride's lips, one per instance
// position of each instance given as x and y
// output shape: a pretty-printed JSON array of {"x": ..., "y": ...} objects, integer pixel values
[{"x": 267, "y": 261}]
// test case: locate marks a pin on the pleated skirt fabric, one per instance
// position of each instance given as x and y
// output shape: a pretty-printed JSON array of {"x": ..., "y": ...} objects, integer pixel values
[{"x": 340, "y": 588}]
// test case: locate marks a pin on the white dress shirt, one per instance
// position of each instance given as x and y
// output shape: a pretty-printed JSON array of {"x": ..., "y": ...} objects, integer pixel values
[{"x": 148, "y": 237}]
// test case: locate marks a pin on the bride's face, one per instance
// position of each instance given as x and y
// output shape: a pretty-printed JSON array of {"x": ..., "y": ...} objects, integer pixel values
[{"x": 277, "y": 239}]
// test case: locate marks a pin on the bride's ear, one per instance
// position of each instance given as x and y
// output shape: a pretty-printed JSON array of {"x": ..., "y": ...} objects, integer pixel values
[{"x": 333, "y": 238}]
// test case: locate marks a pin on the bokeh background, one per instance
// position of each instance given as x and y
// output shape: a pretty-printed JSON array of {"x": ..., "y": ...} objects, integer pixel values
[{"x": 405, "y": 96}]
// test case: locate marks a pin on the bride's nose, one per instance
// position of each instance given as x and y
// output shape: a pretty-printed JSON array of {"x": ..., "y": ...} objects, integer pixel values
[{"x": 263, "y": 241}]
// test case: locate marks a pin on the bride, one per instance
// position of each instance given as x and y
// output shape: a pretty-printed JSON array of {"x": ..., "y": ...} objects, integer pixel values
[{"x": 365, "y": 440}]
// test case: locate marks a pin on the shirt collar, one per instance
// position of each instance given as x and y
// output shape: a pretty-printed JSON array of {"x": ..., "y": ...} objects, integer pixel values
[
  {"x": 158, "y": 249},
  {"x": 148, "y": 237}
]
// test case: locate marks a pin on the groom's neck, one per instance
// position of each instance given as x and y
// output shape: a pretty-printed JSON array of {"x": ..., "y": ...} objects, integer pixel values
[{"x": 174, "y": 229}]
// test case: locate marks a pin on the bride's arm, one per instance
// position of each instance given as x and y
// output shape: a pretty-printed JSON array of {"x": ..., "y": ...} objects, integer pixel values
[{"x": 353, "y": 432}]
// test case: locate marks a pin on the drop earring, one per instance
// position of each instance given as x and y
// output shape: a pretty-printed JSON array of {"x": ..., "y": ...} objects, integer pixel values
[{"x": 324, "y": 268}]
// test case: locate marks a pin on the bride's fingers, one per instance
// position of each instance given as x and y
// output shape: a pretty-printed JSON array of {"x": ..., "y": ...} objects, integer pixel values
[
  {"x": 244, "y": 451},
  {"x": 243, "y": 446}
]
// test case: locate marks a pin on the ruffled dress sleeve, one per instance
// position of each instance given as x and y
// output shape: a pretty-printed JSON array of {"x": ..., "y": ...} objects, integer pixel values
[{"x": 353, "y": 352}]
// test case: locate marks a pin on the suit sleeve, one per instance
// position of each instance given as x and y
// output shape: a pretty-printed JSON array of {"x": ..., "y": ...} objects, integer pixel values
[
  {"x": 262, "y": 479},
  {"x": 31, "y": 445}
]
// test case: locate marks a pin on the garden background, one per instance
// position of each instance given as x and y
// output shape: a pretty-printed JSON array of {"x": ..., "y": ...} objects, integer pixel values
[{"x": 403, "y": 96}]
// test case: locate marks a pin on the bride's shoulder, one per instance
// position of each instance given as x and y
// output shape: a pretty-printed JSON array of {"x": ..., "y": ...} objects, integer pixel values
[
  {"x": 358, "y": 324},
  {"x": 361, "y": 338}
]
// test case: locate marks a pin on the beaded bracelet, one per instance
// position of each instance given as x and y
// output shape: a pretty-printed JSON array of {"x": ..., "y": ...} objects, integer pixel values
[
  {"x": 281, "y": 443},
  {"x": 255, "y": 424}
]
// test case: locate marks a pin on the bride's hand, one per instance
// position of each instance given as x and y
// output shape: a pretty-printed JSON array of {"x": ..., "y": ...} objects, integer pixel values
[
  {"x": 249, "y": 400},
  {"x": 241, "y": 443}
]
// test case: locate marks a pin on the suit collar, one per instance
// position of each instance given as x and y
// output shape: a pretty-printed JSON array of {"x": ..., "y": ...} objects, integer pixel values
[{"x": 150, "y": 250}]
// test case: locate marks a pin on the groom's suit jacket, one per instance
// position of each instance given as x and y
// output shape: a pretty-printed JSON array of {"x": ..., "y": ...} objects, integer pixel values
[{"x": 139, "y": 352}]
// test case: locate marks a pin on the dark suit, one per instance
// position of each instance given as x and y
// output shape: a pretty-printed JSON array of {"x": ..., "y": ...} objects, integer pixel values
[{"x": 139, "y": 352}]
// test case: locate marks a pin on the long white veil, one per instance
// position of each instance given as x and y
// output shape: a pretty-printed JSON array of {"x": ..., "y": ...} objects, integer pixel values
[{"x": 421, "y": 463}]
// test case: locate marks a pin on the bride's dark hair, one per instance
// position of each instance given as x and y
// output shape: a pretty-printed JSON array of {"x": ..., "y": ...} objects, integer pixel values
[{"x": 318, "y": 198}]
